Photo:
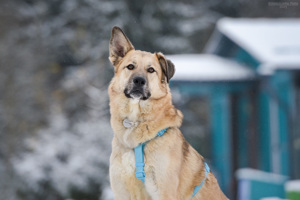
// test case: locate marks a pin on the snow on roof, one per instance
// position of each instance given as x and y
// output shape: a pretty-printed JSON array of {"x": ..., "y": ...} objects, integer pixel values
[
  {"x": 258, "y": 175},
  {"x": 205, "y": 67},
  {"x": 275, "y": 42}
]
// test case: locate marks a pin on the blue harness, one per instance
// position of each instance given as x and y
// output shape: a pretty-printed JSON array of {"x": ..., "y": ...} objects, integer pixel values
[{"x": 139, "y": 163}]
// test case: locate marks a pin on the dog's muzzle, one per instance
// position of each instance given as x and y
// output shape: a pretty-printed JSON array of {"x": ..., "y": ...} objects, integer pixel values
[{"x": 137, "y": 89}]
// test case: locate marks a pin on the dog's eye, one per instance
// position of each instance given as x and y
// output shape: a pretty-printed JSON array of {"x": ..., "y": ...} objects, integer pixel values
[
  {"x": 150, "y": 70},
  {"x": 130, "y": 67}
]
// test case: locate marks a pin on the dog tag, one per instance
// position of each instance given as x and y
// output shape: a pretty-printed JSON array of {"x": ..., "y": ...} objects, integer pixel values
[{"x": 127, "y": 123}]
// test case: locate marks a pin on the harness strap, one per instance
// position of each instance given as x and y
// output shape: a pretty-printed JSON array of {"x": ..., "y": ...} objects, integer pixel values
[
  {"x": 197, "y": 188},
  {"x": 140, "y": 163},
  {"x": 139, "y": 158}
]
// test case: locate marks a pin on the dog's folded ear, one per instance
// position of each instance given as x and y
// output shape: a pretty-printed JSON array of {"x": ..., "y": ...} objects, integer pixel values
[
  {"x": 119, "y": 45},
  {"x": 167, "y": 67}
]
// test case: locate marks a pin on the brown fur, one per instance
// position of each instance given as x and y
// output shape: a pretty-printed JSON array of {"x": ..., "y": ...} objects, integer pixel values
[{"x": 173, "y": 168}]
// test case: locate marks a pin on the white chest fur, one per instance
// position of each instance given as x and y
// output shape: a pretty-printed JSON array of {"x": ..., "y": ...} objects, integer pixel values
[
  {"x": 133, "y": 115},
  {"x": 128, "y": 161},
  {"x": 134, "y": 108}
]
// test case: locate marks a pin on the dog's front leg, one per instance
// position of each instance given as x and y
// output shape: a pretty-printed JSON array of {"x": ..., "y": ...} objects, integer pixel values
[
  {"x": 119, "y": 189},
  {"x": 168, "y": 190}
]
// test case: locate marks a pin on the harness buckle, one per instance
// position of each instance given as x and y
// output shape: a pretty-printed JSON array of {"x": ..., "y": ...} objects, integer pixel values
[{"x": 140, "y": 175}]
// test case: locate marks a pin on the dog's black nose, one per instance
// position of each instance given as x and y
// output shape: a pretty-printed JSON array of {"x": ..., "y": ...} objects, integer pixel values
[{"x": 139, "y": 81}]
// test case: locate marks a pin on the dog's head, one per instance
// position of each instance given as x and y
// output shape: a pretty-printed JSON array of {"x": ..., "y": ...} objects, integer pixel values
[{"x": 138, "y": 74}]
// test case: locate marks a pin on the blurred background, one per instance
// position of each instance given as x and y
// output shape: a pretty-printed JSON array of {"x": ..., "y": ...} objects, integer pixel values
[{"x": 237, "y": 83}]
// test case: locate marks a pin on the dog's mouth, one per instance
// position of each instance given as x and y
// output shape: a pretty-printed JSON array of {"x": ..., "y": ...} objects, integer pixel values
[{"x": 137, "y": 94}]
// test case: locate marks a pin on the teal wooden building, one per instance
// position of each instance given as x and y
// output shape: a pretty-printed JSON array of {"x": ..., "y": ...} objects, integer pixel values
[
  {"x": 227, "y": 86},
  {"x": 251, "y": 76}
]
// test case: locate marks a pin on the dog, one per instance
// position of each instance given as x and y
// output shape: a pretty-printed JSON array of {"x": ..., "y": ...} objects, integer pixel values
[{"x": 140, "y": 107}]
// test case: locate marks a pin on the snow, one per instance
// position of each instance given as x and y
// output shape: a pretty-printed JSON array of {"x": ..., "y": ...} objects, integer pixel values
[
  {"x": 71, "y": 153},
  {"x": 258, "y": 175},
  {"x": 293, "y": 185},
  {"x": 205, "y": 67},
  {"x": 274, "y": 42},
  {"x": 172, "y": 42},
  {"x": 107, "y": 193},
  {"x": 67, "y": 158},
  {"x": 269, "y": 68}
]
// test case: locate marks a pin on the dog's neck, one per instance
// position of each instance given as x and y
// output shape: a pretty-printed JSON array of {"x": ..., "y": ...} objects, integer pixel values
[
  {"x": 134, "y": 109},
  {"x": 137, "y": 109},
  {"x": 140, "y": 110},
  {"x": 137, "y": 121}
]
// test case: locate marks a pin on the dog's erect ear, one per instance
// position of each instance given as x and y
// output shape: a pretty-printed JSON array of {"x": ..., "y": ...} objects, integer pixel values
[
  {"x": 119, "y": 45},
  {"x": 166, "y": 65}
]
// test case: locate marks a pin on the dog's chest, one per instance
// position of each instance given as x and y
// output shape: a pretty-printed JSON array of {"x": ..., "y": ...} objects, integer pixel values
[{"x": 128, "y": 162}]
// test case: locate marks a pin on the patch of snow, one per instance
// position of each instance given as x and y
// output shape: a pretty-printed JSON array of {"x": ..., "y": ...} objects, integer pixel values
[
  {"x": 293, "y": 185},
  {"x": 172, "y": 42},
  {"x": 188, "y": 27},
  {"x": 269, "y": 68},
  {"x": 71, "y": 153},
  {"x": 182, "y": 9},
  {"x": 205, "y": 67},
  {"x": 107, "y": 193},
  {"x": 68, "y": 157},
  {"x": 258, "y": 175},
  {"x": 271, "y": 41}
]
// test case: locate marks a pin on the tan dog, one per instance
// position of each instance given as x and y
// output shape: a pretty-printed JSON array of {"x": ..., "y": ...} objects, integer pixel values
[{"x": 141, "y": 106}]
